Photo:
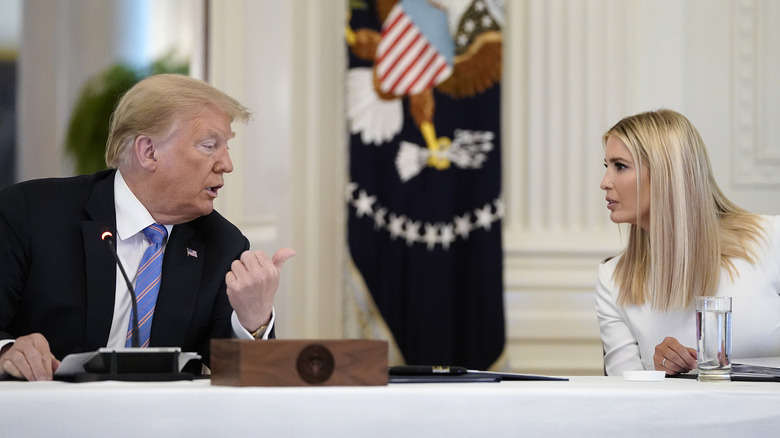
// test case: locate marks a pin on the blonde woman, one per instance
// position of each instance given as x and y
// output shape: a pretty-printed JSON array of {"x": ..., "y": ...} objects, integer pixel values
[{"x": 686, "y": 239}]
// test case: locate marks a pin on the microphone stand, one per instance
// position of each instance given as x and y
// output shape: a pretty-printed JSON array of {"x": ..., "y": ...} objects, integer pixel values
[
  {"x": 107, "y": 237},
  {"x": 133, "y": 364}
]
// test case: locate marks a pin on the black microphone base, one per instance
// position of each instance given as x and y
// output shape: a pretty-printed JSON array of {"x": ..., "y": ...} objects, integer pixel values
[{"x": 135, "y": 365}]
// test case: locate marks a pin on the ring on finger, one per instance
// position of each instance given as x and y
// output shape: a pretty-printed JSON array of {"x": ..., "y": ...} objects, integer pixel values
[{"x": 663, "y": 363}]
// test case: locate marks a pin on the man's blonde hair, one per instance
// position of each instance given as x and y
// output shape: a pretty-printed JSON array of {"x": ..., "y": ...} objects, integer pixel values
[
  {"x": 154, "y": 105},
  {"x": 694, "y": 229}
]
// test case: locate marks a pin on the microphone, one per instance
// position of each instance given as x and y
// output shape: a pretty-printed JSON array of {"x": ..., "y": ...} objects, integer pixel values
[
  {"x": 133, "y": 364},
  {"x": 107, "y": 236}
]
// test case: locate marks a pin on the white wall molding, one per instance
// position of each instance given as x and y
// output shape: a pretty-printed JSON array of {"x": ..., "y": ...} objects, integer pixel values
[
  {"x": 285, "y": 60},
  {"x": 551, "y": 322},
  {"x": 756, "y": 134}
]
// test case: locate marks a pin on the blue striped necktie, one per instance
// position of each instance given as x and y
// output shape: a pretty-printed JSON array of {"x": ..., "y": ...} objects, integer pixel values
[{"x": 147, "y": 284}]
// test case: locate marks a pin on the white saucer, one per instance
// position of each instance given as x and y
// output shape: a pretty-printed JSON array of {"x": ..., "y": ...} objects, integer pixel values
[{"x": 644, "y": 376}]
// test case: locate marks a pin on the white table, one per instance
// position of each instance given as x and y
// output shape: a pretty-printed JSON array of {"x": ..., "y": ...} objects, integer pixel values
[{"x": 581, "y": 407}]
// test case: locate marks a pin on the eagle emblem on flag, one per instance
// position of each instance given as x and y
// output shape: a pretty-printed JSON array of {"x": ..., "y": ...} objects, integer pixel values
[{"x": 419, "y": 49}]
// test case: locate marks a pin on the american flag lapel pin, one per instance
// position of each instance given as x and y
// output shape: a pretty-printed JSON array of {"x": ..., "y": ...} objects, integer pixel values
[{"x": 192, "y": 253}]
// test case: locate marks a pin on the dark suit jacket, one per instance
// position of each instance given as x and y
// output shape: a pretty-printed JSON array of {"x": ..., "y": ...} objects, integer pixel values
[{"x": 57, "y": 277}]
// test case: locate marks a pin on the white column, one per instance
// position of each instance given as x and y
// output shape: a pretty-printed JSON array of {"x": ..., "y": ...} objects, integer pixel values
[{"x": 285, "y": 60}]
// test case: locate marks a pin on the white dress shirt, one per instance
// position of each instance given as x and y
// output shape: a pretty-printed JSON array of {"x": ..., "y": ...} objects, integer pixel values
[{"x": 131, "y": 218}]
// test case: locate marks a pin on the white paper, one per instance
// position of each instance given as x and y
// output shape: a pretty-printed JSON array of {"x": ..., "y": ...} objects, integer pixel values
[
  {"x": 757, "y": 365},
  {"x": 74, "y": 363}
]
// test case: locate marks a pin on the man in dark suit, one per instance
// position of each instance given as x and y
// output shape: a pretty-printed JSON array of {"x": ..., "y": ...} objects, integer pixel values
[{"x": 60, "y": 289}]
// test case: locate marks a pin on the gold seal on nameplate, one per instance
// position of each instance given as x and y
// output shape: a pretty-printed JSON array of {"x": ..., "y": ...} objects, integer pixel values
[{"x": 315, "y": 364}]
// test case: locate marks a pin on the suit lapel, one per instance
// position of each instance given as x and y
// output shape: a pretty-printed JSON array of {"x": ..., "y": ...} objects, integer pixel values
[
  {"x": 181, "y": 276},
  {"x": 101, "y": 267}
]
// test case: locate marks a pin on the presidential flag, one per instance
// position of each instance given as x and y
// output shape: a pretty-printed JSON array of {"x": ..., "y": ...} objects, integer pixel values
[{"x": 424, "y": 192}]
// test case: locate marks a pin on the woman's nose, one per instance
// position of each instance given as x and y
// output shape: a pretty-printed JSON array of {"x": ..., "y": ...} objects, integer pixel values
[{"x": 605, "y": 182}]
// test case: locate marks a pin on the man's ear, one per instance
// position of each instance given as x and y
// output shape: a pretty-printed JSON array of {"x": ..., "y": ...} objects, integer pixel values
[{"x": 145, "y": 152}]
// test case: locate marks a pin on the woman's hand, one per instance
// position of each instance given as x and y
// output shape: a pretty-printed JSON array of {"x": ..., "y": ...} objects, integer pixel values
[{"x": 673, "y": 357}]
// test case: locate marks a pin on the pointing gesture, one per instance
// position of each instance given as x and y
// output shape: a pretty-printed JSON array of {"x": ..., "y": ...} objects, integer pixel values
[{"x": 252, "y": 283}]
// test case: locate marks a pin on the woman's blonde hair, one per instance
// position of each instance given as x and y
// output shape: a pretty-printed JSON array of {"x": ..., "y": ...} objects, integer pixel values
[
  {"x": 694, "y": 229},
  {"x": 154, "y": 105}
]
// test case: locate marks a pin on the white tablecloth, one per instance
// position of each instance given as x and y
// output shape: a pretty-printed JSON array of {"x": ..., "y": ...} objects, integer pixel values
[{"x": 581, "y": 407}]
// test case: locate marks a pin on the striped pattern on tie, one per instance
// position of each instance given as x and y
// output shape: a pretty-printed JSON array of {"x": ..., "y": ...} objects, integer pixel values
[{"x": 147, "y": 284}]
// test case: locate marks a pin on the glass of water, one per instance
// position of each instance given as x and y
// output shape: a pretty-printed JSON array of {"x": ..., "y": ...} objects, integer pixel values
[{"x": 713, "y": 338}]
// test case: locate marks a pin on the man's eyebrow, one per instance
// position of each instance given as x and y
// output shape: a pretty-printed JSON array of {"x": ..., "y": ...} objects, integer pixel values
[{"x": 214, "y": 135}]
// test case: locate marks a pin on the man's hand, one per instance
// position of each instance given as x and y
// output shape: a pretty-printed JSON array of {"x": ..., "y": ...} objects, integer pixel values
[
  {"x": 29, "y": 358},
  {"x": 252, "y": 284},
  {"x": 673, "y": 357}
]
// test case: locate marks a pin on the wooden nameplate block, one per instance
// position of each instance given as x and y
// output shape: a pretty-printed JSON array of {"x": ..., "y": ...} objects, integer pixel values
[{"x": 342, "y": 362}]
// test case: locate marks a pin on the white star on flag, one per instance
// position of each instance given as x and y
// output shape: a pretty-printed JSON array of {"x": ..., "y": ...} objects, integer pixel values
[{"x": 364, "y": 204}]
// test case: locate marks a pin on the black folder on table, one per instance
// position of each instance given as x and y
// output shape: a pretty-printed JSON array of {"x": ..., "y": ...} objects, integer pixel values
[
  {"x": 740, "y": 373},
  {"x": 452, "y": 374},
  {"x": 758, "y": 369}
]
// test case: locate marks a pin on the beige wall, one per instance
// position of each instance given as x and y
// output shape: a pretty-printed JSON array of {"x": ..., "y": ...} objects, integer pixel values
[{"x": 572, "y": 69}]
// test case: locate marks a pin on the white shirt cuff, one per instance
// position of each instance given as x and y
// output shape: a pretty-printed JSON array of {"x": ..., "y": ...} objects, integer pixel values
[
  {"x": 5, "y": 342},
  {"x": 241, "y": 333}
]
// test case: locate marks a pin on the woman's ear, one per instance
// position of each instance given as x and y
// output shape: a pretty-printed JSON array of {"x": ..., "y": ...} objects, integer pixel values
[{"x": 145, "y": 152}]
